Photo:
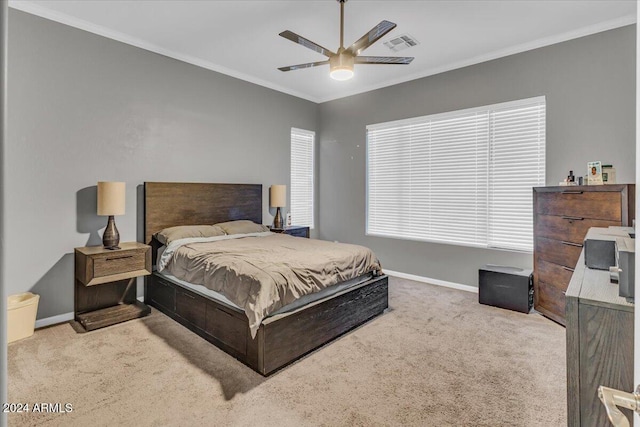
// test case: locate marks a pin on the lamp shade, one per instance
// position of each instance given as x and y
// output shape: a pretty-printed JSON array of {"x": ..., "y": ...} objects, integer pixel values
[
  {"x": 278, "y": 196},
  {"x": 111, "y": 198}
]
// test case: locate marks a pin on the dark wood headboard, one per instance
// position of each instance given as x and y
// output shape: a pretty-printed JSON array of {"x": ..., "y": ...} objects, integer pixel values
[{"x": 167, "y": 204}]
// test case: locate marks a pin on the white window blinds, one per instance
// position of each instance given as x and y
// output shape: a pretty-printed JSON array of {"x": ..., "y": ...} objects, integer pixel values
[
  {"x": 463, "y": 177},
  {"x": 302, "y": 142}
]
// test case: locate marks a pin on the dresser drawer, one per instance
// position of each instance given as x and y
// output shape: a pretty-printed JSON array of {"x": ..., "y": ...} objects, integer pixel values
[
  {"x": 550, "y": 298},
  {"x": 558, "y": 275},
  {"x": 606, "y": 205},
  {"x": 119, "y": 262},
  {"x": 568, "y": 228},
  {"x": 558, "y": 252}
]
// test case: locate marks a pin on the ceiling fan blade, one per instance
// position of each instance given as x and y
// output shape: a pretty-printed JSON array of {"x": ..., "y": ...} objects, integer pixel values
[
  {"x": 383, "y": 60},
  {"x": 371, "y": 37},
  {"x": 306, "y": 43},
  {"x": 301, "y": 66}
]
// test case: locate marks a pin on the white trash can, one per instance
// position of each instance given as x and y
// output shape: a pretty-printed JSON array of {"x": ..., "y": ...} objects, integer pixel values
[{"x": 21, "y": 316}]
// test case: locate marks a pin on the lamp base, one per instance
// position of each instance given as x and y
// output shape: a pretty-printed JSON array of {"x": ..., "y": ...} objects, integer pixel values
[
  {"x": 278, "y": 223},
  {"x": 111, "y": 237}
]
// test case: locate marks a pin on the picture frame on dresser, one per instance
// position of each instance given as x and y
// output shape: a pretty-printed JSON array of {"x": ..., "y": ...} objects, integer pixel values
[{"x": 562, "y": 215}]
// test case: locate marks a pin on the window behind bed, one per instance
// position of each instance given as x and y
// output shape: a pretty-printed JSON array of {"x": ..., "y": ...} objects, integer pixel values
[
  {"x": 461, "y": 177},
  {"x": 302, "y": 167}
]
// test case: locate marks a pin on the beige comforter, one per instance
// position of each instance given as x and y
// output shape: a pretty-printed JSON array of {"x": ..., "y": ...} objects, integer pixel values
[{"x": 263, "y": 274}]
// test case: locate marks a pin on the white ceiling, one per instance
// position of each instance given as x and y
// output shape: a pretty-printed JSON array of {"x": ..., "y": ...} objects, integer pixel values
[{"x": 240, "y": 38}]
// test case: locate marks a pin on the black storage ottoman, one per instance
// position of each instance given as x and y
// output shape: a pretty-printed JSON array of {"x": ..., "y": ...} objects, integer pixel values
[{"x": 506, "y": 287}]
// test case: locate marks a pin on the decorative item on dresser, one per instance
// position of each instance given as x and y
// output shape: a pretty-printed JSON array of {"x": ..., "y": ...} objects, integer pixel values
[
  {"x": 111, "y": 201},
  {"x": 293, "y": 230},
  {"x": 562, "y": 216},
  {"x": 278, "y": 199},
  {"x": 105, "y": 291}
]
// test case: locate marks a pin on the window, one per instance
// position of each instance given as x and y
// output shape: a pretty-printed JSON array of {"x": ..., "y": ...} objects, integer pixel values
[
  {"x": 302, "y": 177},
  {"x": 461, "y": 177}
]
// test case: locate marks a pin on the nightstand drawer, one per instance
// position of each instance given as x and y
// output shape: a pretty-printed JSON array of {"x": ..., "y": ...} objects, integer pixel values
[
  {"x": 298, "y": 232},
  {"x": 107, "y": 265},
  {"x": 105, "y": 285},
  {"x": 96, "y": 265},
  {"x": 293, "y": 230}
]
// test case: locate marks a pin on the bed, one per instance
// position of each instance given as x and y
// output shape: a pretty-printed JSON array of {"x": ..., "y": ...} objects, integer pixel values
[{"x": 282, "y": 337}]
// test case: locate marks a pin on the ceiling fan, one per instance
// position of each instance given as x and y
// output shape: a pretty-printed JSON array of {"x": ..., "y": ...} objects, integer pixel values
[{"x": 341, "y": 63}]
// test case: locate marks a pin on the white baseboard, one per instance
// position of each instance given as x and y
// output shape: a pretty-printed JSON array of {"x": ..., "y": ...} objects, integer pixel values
[
  {"x": 48, "y": 321},
  {"x": 430, "y": 281},
  {"x": 61, "y": 318}
]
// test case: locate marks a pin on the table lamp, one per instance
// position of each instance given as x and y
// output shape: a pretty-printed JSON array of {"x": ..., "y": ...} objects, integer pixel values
[
  {"x": 111, "y": 201},
  {"x": 278, "y": 197}
]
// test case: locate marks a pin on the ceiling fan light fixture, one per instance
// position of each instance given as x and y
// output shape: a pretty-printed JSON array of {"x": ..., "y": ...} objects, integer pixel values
[
  {"x": 341, "y": 67},
  {"x": 341, "y": 63},
  {"x": 341, "y": 73}
]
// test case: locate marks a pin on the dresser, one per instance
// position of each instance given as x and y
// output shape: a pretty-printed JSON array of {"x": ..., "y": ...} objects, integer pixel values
[
  {"x": 599, "y": 345},
  {"x": 561, "y": 218}
]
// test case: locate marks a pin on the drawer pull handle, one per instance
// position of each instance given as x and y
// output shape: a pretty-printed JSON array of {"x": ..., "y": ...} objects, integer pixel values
[
  {"x": 568, "y": 268},
  {"x": 573, "y": 218},
  {"x": 118, "y": 257},
  {"x": 224, "y": 312},
  {"x": 571, "y": 192},
  {"x": 564, "y": 292},
  {"x": 578, "y": 245},
  {"x": 160, "y": 282},
  {"x": 187, "y": 295}
]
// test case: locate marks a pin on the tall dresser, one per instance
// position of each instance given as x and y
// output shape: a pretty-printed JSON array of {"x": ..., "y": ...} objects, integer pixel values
[{"x": 561, "y": 218}]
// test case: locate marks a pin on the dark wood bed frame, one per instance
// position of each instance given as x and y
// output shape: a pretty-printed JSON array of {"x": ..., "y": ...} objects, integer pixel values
[{"x": 281, "y": 339}]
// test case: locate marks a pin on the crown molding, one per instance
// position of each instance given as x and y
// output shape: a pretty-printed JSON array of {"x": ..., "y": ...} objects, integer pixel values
[
  {"x": 501, "y": 53},
  {"x": 35, "y": 9},
  {"x": 63, "y": 18}
]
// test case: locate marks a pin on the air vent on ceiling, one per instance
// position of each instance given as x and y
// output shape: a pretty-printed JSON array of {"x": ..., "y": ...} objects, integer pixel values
[{"x": 401, "y": 43}]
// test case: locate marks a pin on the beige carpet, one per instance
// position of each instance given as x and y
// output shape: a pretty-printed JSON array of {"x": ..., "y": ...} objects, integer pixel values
[{"x": 436, "y": 358}]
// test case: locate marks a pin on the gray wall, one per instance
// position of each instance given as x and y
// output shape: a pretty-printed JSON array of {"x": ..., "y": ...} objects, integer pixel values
[
  {"x": 85, "y": 108},
  {"x": 590, "y": 88}
]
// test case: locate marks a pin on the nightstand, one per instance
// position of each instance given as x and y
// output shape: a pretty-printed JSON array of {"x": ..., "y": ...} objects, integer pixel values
[
  {"x": 105, "y": 288},
  {"x": 293, "y": 230}
]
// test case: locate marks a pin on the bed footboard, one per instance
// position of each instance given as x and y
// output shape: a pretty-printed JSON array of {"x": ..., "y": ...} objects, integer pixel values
[{"x": 281, "y": 339}]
